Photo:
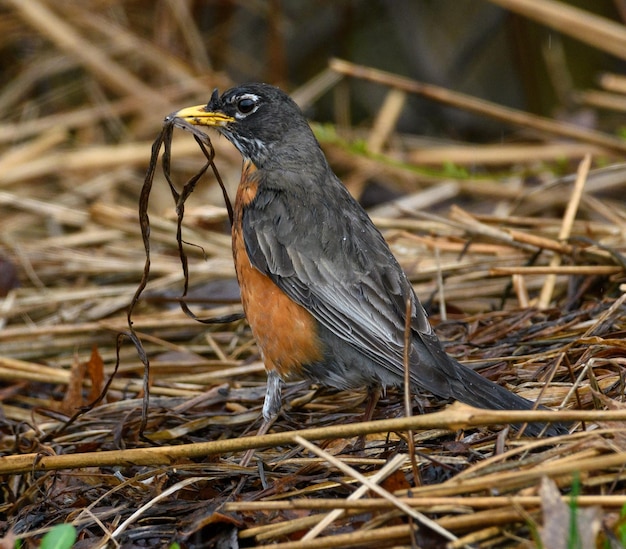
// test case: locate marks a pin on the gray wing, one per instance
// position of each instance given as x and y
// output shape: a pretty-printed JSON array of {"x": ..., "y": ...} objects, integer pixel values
[{"x": 323, "y": 251}]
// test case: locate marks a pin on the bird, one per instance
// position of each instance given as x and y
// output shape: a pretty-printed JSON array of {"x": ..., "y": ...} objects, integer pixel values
[{"x": 325, "y": 298}]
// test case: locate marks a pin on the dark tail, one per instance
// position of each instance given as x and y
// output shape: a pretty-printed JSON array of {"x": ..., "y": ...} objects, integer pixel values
[
  {"x": 439, "y": 373},
  {"x": 473, "y": 389}
]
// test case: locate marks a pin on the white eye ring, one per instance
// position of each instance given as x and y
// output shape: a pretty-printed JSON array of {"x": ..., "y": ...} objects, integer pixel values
[{"x": 246, "y": 105}]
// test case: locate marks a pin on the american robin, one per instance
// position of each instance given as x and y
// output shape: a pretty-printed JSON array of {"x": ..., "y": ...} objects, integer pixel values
[{"x": 323, "y": 294}]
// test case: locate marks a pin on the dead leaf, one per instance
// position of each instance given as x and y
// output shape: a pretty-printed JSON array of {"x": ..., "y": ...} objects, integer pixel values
[
  {"x": 395, "y": 482},
  {"x": 95, "y": 369},
  {"x": 73, "y": 398}
]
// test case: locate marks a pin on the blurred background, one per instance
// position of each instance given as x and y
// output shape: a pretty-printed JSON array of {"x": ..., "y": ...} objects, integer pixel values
[{"x": 471, "y": 46}]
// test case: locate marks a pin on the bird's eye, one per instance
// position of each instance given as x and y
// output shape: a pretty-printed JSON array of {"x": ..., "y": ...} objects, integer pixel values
[{"x": 246, "y": 105}]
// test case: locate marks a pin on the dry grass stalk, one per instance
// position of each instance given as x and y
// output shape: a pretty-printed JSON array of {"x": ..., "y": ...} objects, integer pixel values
[
  {"x": 566, "y": 229},
  {"x": 69, "y": 228},
  {"x": 457, "y": 417},
  {"x": 479, "y": 106},
  {"x": 421, "y": 503},
  {"x": 581, "y": 24},
  {"x": 502, "y": 154},
  {"x": 67, "y": 39}
]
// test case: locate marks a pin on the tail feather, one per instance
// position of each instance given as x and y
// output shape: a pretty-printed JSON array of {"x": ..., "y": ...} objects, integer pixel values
[
  {"x": 475, "y": 390},
  {"x": 439, "y": 373}
]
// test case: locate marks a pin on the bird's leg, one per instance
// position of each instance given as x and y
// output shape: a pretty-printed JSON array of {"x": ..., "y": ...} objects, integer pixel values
[
  {"x": 271, "y": 407},
  {"x": 273, "y": 401},
  {"x": 373, "y": 396}
]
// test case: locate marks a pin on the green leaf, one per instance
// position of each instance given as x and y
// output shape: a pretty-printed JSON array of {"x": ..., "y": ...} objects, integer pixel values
[
  {"x": 62, "y": 536},
  {"x": 574, "y": 541}
]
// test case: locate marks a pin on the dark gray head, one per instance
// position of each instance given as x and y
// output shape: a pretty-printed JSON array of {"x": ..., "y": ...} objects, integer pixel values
[{"x": 262, "y": 121}]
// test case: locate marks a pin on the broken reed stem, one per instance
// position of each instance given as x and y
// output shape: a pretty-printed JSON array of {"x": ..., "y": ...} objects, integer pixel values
[
  {"x": 479, "y": 106},
  {"x": 386, "y": 120},
  {"x": 389, "y": 533},
  {"x": 426, "y": 502},
  {"x": 94, "y": 59},
  {"x": 592, "y": 270},
  {"x": 346, "y": 540},
  {"x": 500, "y": 154},
  {"x": 566, "y": 229},
  {"x": 456, "y": 417},
  {"x": 151, "y": 503},
  {"x": 346, "y": 469},
  {"x": 598, "y": 31},
  {"x": 390, "y": 467},
  {"x": 540, "y": 241}
]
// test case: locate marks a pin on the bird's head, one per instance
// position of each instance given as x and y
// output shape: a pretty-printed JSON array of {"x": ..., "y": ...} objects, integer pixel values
[{"x": 262, "y": 121}]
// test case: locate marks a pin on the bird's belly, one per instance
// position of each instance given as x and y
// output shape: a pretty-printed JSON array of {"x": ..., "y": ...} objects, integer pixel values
[{"x": 285, "y": 332}]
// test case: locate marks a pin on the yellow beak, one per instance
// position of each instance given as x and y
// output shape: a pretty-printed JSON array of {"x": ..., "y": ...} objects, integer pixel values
[{"x": 199, "y": 116}]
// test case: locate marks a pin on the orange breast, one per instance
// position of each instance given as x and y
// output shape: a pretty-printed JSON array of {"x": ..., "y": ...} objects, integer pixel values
[{"x": 285, "y": 332}]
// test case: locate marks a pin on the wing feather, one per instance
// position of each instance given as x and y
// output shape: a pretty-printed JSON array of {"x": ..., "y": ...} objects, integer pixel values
[{"x": 339, "y": 267}]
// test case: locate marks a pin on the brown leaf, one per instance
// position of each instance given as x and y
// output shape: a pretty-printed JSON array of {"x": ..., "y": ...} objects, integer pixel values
[
  {"x": 396, "y": 481},
  {"x": 95, "y": 369},
  {"x": 73, "y": 398}
]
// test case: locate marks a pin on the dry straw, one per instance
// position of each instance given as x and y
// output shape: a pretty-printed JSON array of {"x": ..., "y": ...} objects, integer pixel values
[{"x": 531, "y": 277}]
